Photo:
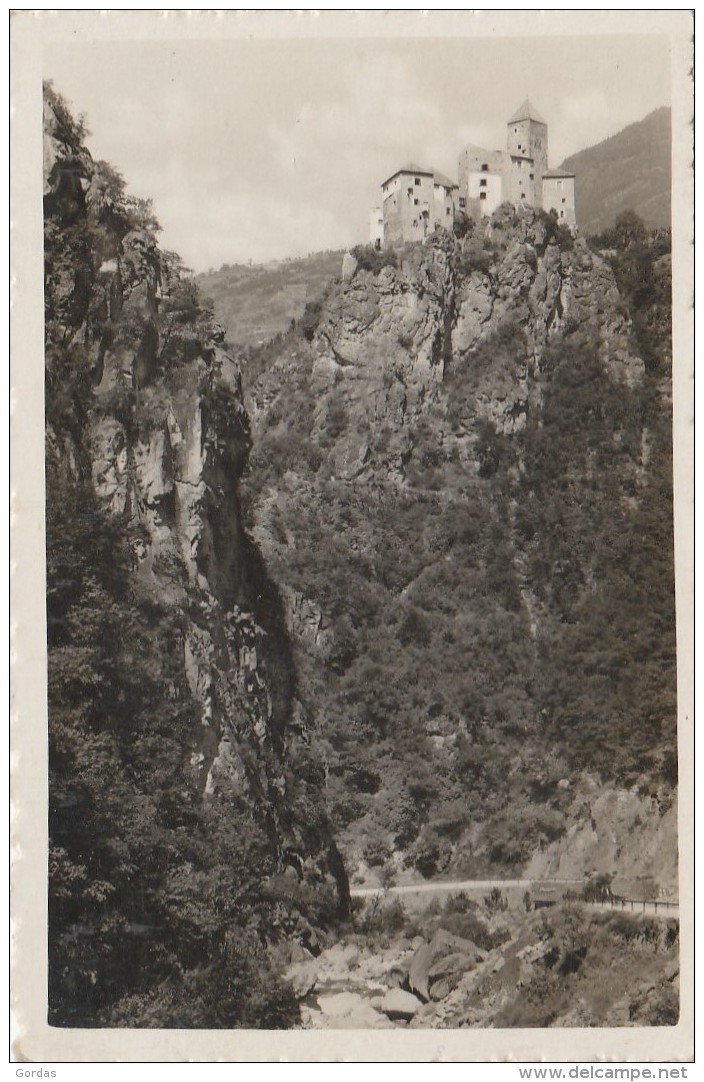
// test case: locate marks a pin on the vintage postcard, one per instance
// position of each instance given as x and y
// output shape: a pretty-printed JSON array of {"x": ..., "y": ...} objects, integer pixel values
[{"x": 352, "y": 562}]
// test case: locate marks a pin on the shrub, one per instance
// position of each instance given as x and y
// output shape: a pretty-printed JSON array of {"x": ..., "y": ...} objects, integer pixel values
[
  {"x": 308, "y": 323},
  {"x": 495, "y": 902},
  {"x": 463, "y": 225},
  {"x": 383, "y": 917},
  {"x": 369, "y": 259}
]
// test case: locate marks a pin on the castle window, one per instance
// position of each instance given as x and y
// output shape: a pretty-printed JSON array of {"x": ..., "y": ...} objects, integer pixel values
[
  {"x": 447, "y": 210},
  {"x": 482, "y": 195},
  {"x": 410, "y": 191},
  {"x": 482, "y": 183},
  {"x": 485, "y": 167},
  {"x": 415, "y": 202},
  {"x": 463, "y": 201},
  {"x": 415, "y": 222},
  {"x": 523, "y": 195},
  {"x": 532, "y": 177},
  {"x": 417, "y": 182},
  {"x": 562, "y": 213},
  {"x": 564, "y": 200}
]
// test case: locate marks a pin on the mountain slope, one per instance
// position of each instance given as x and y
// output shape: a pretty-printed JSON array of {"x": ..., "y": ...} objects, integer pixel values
[
  {"x": 255, "y": 303},
  {"x": 629, "y": 171},
  {"x": 463, "y": 476}
]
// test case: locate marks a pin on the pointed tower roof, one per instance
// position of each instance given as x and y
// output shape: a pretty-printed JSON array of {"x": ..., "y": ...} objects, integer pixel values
[{"x": 527, "y": 111}]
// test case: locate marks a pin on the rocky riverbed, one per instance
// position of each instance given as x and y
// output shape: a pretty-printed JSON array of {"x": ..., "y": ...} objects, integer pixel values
[{"x": 460, "y": 965}]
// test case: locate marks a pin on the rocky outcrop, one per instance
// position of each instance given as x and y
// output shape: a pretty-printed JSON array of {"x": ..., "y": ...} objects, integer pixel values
[
  {"x": 616, "y": 832},
  {"x": 387, "y": 340},
  {"x": 452, "y": 460},
  {"x": 162, "y": 437}
]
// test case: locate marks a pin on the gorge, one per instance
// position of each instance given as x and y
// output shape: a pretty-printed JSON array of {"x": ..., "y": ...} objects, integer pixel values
[{"x": 383, "y": 600}]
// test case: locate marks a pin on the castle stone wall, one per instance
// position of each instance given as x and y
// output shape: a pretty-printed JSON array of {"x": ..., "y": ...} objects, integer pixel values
[
  {"x": 408, "y": 208},
  {"x": 558, "y": 195}
]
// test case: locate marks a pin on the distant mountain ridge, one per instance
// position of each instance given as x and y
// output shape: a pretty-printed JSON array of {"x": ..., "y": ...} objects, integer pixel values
[{"x": 628, "y": 171}]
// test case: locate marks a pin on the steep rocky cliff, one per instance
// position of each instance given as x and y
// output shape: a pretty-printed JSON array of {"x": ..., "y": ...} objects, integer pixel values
[
  {"x": 461, "y": 470},
  {"x": 171, "y": 677},
  {"x": 386, "y": 343}
]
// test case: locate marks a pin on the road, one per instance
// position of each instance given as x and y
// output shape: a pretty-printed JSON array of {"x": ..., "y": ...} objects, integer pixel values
[
  {"x": 654, "y": 909},
  {"x": 454, "y": 886},
  {"x": 446, "y": 887}
]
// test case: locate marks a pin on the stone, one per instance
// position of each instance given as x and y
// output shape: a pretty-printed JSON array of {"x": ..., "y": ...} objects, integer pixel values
[
  {"x": 340, "y": 1003},
  {"x": 349, "y": 267},
  {"x": 427, "y": 963},
  {"x": 398, "y": 1004},
  {"x": 396, "y": 976},
  {"x": 302, "y": 977},
  {"x": 346, "y": 1010}
]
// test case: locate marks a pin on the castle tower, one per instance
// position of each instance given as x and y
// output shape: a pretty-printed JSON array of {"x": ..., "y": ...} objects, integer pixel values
[{"x": 527, "y": 143}]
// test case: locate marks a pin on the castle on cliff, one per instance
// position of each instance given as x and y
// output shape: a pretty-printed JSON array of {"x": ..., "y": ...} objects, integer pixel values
[{"x": 415, "y": 201}]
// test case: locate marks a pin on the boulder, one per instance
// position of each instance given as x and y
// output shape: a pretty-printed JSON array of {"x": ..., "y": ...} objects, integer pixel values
[
  {"x": 346, "y": 1010},
  {"x": 396, "y": 976},
  {"x": 418, "y": 972},
  {"x": 445, "y": 955},
  {"x": 349, "y": 267},
  {"x": 401, "y": 1005},
  {"x": 428, "y": 1015},
  {"x": 302, "y": 977},
  {"x": 445, "y": 974},
  {"x": 340, "y": 1003}
]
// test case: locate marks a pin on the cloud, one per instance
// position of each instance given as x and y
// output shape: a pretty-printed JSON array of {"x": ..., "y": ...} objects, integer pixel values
[
  {"x": 586, "y": 106},
  {"x": 246, "y": 224},
  {"x": 264, "y": 148}
]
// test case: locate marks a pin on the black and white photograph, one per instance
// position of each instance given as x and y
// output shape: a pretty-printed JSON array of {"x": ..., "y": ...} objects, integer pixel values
[{"x": 355, "y": 555}]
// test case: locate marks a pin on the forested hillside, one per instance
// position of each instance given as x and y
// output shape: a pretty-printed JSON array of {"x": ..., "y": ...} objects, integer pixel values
[
  {"x": 190, "y": 847},
  {"x": 462, "y": 474},
  {"x": 255, "y": 303},
  {"x": 629, "y": 171}
]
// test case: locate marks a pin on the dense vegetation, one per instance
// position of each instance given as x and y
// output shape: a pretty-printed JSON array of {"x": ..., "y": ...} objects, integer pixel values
[
  {"x": 165, "y": 908},
  {"x": 485, "y": 635},
  {"x": 628, "y": 171},
  {"x": 256, "y": 303}
]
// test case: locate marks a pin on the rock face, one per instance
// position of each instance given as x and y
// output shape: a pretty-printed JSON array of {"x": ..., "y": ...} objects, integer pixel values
[
  {"x": 162, "y": 441},
  {"x": 614, "y": 829},
  {"x": 457, "y": 472},
  {"x": 386, "y": 341}
]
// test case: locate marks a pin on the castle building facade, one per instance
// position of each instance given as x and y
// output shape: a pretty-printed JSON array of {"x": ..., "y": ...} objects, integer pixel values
[
  {"x": 518, "y": 175},
  {"x": 415, "y": 201}
]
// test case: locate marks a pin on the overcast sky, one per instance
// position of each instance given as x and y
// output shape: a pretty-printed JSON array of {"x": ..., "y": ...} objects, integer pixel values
[{"x": 259, "y": 150}]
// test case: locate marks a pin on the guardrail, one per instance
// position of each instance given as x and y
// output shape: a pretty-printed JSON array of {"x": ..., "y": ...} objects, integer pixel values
[{"x": 636, "y": 905}]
